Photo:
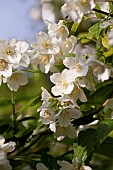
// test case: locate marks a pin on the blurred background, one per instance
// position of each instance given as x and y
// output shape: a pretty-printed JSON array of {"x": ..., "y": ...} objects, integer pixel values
[{"x": 23, "y": 18}]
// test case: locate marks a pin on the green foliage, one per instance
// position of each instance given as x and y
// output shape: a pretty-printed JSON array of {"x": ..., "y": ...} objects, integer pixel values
[
  {"x": 106, "y": 127},
  {"x": 79, "y": 153},
  {"x": 95, "y": 30}
]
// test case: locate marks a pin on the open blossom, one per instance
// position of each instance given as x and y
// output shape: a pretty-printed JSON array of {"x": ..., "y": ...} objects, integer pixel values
[
  {"x": 4, "y": 149},
  {"x": 48, "y": 117},
  {"x": 62, "y": 132},
  {"x": 66, "y": 47},
  {"x": 5, "y": 68},
  {"x": 74, "y": 9},
  {"x": 100, "y": 70},
  {"x": 68, "y": 166},
  {"x": 44, "y": 61},
  {"x": 63, "y": 83},
  {"x": 46, "y": 96},
  {"x": 60, "y": 31},
  {"x": 45, "y": 44},
  {"x": 17, "y": 79},
  {"x": 15, "y": 52},
  {"x": 77, "y": 65},
  {"x": 76, "y": 93},
  {"x": 66, "y": 114}
]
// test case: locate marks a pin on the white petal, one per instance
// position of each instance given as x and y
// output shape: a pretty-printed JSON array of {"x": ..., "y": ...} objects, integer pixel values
[{"x": 41, "y": 166}]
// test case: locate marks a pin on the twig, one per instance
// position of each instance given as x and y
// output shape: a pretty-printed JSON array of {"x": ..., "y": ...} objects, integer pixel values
[{"x": 102, "y": 12}]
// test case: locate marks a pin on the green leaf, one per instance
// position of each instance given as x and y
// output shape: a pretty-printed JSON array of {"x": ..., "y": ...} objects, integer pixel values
[
  {"x": 108, "y": 53},
  {"x": 102, "y": 93},
  {"x": 106, "y": 148},
  {"x": 60, "y": 67},
  {"x": 95, "y": 31},
  {"x": 49, "y": 161},
  {"x": 88, "y": 139},
  {"x": 68, "y": 24},
  {"x": 104, "y": 129},
  {"x": 30, "y": 103},
  {"x": 74, "y": 28},
  {"x": 80, "y": 153}
]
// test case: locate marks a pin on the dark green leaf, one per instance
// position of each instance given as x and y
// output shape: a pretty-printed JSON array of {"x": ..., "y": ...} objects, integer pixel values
[
  {"x": 102, "y": 93},
  {"x": 106, "y": 148},
  {"x": 88, "y": 139},
  {"x": 104, "y": 129}
]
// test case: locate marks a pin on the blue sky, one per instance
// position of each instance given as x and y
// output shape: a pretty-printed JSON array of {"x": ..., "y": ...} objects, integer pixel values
[{"x": 15, "y": 20}]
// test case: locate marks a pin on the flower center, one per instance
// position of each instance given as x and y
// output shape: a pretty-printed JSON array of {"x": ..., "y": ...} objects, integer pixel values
[
  {"x": 77, "y": 66},
  {"x": 47, "y": 114},
  {"x": 62, "y": 83},
  {"x": 9, "y": 50},
  {"x": 44, "y": 59},
  {"x": 46, "y": 44},
  {"x": 62, "y": 29},
  {"x": 14, "y": 77},
  {"x": 3, "y": 64},
  {"x": 84, "y": 2}
]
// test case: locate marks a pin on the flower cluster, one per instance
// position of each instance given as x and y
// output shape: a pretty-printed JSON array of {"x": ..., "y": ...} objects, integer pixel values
[
  {"x": 81, "y": 69},
  {"x": 74, "y": 66},
  {"x": 4, "y": 149},
  {"x": 13, "y": 57},
  {"x": 75, "y": 10}
]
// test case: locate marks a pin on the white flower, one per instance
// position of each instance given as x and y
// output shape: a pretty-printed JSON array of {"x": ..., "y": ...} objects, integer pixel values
[
  {"x": 45, "y": 44},
  {"x": 87, "y": 81},
  {"x": 5, "y": 68},
  {"x": 62, "y": 132},
  {"x": 100, "y": 70},
  {"x": 41, "y": 166},
  {"x": 45, "y": 97},
  {"x": 77, "y": 93},
  {"x": 75, "y": 9},
  {"x": 63, "y": 83},
  {"x": 59, "y": 30},
  {"x": 65, "y": 165},
  {"x": 71, "y": 10},
  {"x": 110, "y": 37},
  {"x": 68, "y": 166},
  {"x": 85, "y": 6},
  {"x": 77, "y": 65},
  {"x": 66, "y": 48},
  {"x": 66, "y": 114},
  {"x": 14, "y": 52},
  {"x": 17, "y": 79},
  {"x": 48, "y": 117},
  {"x": 106, "y": 23},
  {"x": 45, "y": 61},
  {"x": 4, "y": 149}
]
